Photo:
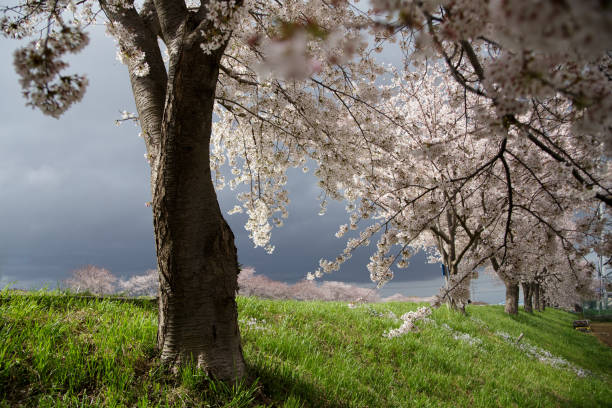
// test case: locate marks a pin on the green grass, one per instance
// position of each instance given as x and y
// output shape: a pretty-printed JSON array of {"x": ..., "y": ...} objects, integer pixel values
[{"x": 62, "y": 351}]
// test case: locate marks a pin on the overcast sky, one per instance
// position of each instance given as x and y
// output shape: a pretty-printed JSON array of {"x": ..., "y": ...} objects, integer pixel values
[{"x": 74, "y": 193}]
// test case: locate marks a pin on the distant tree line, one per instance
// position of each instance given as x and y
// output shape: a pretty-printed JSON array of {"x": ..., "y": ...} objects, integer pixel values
[{"x": 101, "y": 281}]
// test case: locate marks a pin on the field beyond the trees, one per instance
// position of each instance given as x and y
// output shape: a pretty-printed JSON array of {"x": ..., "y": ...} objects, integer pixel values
[{"x": 58, "y": 350}]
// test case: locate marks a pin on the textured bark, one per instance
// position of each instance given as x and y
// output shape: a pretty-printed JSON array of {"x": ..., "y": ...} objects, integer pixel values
[
  {"x": 539, "y": 294},
  {"x": 512, "y": 298},
  {"x": 196, "y": 255},
  {"x": 457, "y": 298},
  {"x": 195, "y": 247},
  {"x": 512, "y": 288},
  {"x": 527, "y": 296}
]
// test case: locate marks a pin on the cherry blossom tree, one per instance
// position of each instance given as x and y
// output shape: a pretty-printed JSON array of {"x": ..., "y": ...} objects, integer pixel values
[
  {"x": 521, "y": 124},
  {"x": 146, "y": 284},
  {"x": 502, "y": 111},
  {"x": 213, "y": 53},
  {"x": 532, "y": 87},
  {"x": 90, "y": 278},
  {"x": 524, "y": 127},
  {"x": 252, "y": 284}
]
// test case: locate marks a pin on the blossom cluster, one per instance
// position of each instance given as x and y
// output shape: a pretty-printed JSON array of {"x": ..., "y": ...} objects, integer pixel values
[
  {"x": 461, "y": 336},
  {"x": 223, "y": 17},
  {"x": 128, "y": 51},
  {"x": 39, "y": 66},
  {"x": 253, "y": 323},
  {"x": 409, "y": 322}
]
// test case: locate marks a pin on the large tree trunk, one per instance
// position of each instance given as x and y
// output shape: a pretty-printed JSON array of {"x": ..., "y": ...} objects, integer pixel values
[
  {"x": 527, "y": 296},
  {"x": 512, "y": 297},
  {"x": 195, "y": 247}
]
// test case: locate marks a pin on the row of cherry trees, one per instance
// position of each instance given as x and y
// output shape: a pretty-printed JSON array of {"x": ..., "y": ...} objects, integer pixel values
[
  {"x": 490, "y": 143},
  {"x": 101, "y": 281},
  {"x": 489, "y": 146},
  {"x": 252, "y": 284}
]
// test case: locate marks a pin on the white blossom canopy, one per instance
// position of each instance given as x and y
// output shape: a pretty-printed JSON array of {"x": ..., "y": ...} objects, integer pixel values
[{"x": 493, "y": 136}]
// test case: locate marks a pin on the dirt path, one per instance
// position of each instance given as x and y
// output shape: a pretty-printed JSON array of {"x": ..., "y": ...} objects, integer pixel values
[{"x": 603, "y": 331}]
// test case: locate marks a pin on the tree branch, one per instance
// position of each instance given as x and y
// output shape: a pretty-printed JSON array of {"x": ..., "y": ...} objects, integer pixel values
[
  {"x": 236, "y": 76},
  {"x": 149, "y": 90},
  {"x": 171, "y": 14},
  {"x": 606, "y": 198},
  {"x": 148, "y": 13}
]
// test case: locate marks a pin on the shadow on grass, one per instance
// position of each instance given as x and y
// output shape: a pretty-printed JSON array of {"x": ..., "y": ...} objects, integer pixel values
[
  {"x": 63, "y": 300},
  {"x": 279, "y": 387}
]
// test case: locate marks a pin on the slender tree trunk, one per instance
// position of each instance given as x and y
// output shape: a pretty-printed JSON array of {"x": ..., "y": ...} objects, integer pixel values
[
  {"x": 527, "y": 297},
  {"x": 512, "y": 297},
  {"x": 195, "y": 247},
  {"x": 539, "y": 297},
  {"x": 536, "y": 296}
]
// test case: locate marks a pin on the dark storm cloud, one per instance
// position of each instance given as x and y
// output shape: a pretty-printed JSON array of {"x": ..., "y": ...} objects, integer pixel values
[{"x": 74, "y": 189}]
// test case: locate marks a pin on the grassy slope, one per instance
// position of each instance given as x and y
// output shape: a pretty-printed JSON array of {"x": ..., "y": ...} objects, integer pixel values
[{"x": 62, "y": 351}]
